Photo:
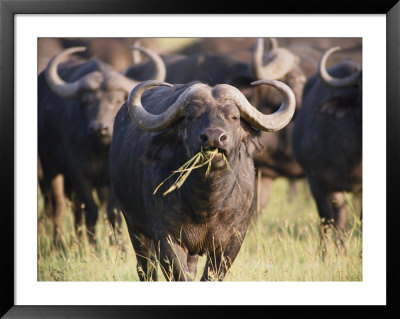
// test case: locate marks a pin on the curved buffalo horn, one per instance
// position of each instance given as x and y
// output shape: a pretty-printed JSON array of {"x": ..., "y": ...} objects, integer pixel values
[
  {"x": 136, "y": 58},
  {"x": 161, "y": 70},
  {"x": 70, "y": 89},
  {"x": 151, "y": 122},
  {"x": 273, "y": 43},
  {"x": 279, "y": 61},
  {"x": 268, "y": 122},
  {"x": 331, "y": 81}
]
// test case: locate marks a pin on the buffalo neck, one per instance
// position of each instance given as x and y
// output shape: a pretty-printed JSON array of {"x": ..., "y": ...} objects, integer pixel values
[{"x": 207, "y": 196}]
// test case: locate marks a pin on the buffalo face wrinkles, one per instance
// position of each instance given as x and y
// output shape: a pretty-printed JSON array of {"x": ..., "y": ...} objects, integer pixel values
[{"x": 210, "y": 125}]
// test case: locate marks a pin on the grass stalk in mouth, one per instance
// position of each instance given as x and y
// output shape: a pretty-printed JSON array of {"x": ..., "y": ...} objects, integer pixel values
[
  {"x": 180, "y": 169},
  {"x": 229, "y": 167},
  {"x": 198, "y": 160}
]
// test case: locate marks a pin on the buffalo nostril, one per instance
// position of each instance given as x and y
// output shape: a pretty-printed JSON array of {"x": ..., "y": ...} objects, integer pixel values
[
  {"x": 97, "y": 130},
  {"x": 104, "y": 131},
  {"x": 213, "y": 137}
]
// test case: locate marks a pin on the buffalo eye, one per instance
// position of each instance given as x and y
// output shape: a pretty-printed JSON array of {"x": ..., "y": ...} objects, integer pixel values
[
  {"x": 192, "y": 115},
  {"x": 87, "y": 102},
  {"x": 89, "y": 98},
  {"x": 230, "y": 112}
]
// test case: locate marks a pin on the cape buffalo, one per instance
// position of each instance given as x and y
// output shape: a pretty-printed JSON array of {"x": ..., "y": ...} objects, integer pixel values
[
  {"x": 77, "y": 103},
  {"x": 210, "y": 213},
  {"x": 276, "y": 158},
  {"x": 327, "y": 136}
]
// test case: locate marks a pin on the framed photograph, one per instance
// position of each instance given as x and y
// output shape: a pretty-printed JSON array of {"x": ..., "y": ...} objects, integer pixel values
[{"x": 73, "y": 276}]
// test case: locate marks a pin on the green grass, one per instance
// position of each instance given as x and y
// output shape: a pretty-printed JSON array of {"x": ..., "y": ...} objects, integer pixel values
[{"x": 282, "y": 245}]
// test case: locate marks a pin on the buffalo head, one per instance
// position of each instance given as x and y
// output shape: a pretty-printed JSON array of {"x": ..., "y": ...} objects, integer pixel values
[
  {"x": 275, "y": 64},
  {"x": 211, "y": 117},
  {"x": 99, "y": 88},
  {"x": 343, "y": 85},
  {"x": 353, "y": 79}
]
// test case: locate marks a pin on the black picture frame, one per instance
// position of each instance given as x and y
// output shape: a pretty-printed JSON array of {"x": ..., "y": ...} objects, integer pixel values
[{"x": 8, "y": 10}]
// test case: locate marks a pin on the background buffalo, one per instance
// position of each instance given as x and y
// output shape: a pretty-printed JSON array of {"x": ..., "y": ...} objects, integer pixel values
[
  {"x": 77, "y": 103},
  {"x": 327, "y": 137}
]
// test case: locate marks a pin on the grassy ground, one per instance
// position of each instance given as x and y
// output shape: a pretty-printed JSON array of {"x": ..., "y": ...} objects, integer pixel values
[{"x": 283, "y": 245}]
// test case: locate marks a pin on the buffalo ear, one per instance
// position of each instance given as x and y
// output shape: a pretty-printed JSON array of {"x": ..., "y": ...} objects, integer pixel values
[
  {"x": 252, "y": 139},
  {"x": 162, "y": 146},
  {"x": 254, "y": 145}
]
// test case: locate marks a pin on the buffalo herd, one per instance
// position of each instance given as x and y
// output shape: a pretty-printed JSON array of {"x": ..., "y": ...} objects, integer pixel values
[{"x": 118, "y": 121}]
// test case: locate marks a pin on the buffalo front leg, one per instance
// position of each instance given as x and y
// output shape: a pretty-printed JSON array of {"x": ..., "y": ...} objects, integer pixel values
[
  {"x": 339, "y": 207},
  {"x": 87, "y": 204},
  {"x": 145, "y": 256},
  {"x": 192, "y": 265},
  {"x": 78, "y": 209},
  {"x": 174, "y": 260},
  {"x": 220, "y": 259},
  {"x": 324, "y": 206},
  {"x": 59, "y": 205},
  {"x": 114, "y": 216},
  {"x": 110, "y": 205},
  {"x": 331, "y": 208},
  {"x": 113, "y": 211}
]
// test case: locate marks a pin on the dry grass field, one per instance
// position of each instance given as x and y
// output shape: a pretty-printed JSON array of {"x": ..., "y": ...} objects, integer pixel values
[{"x": 283, "y": 244}]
